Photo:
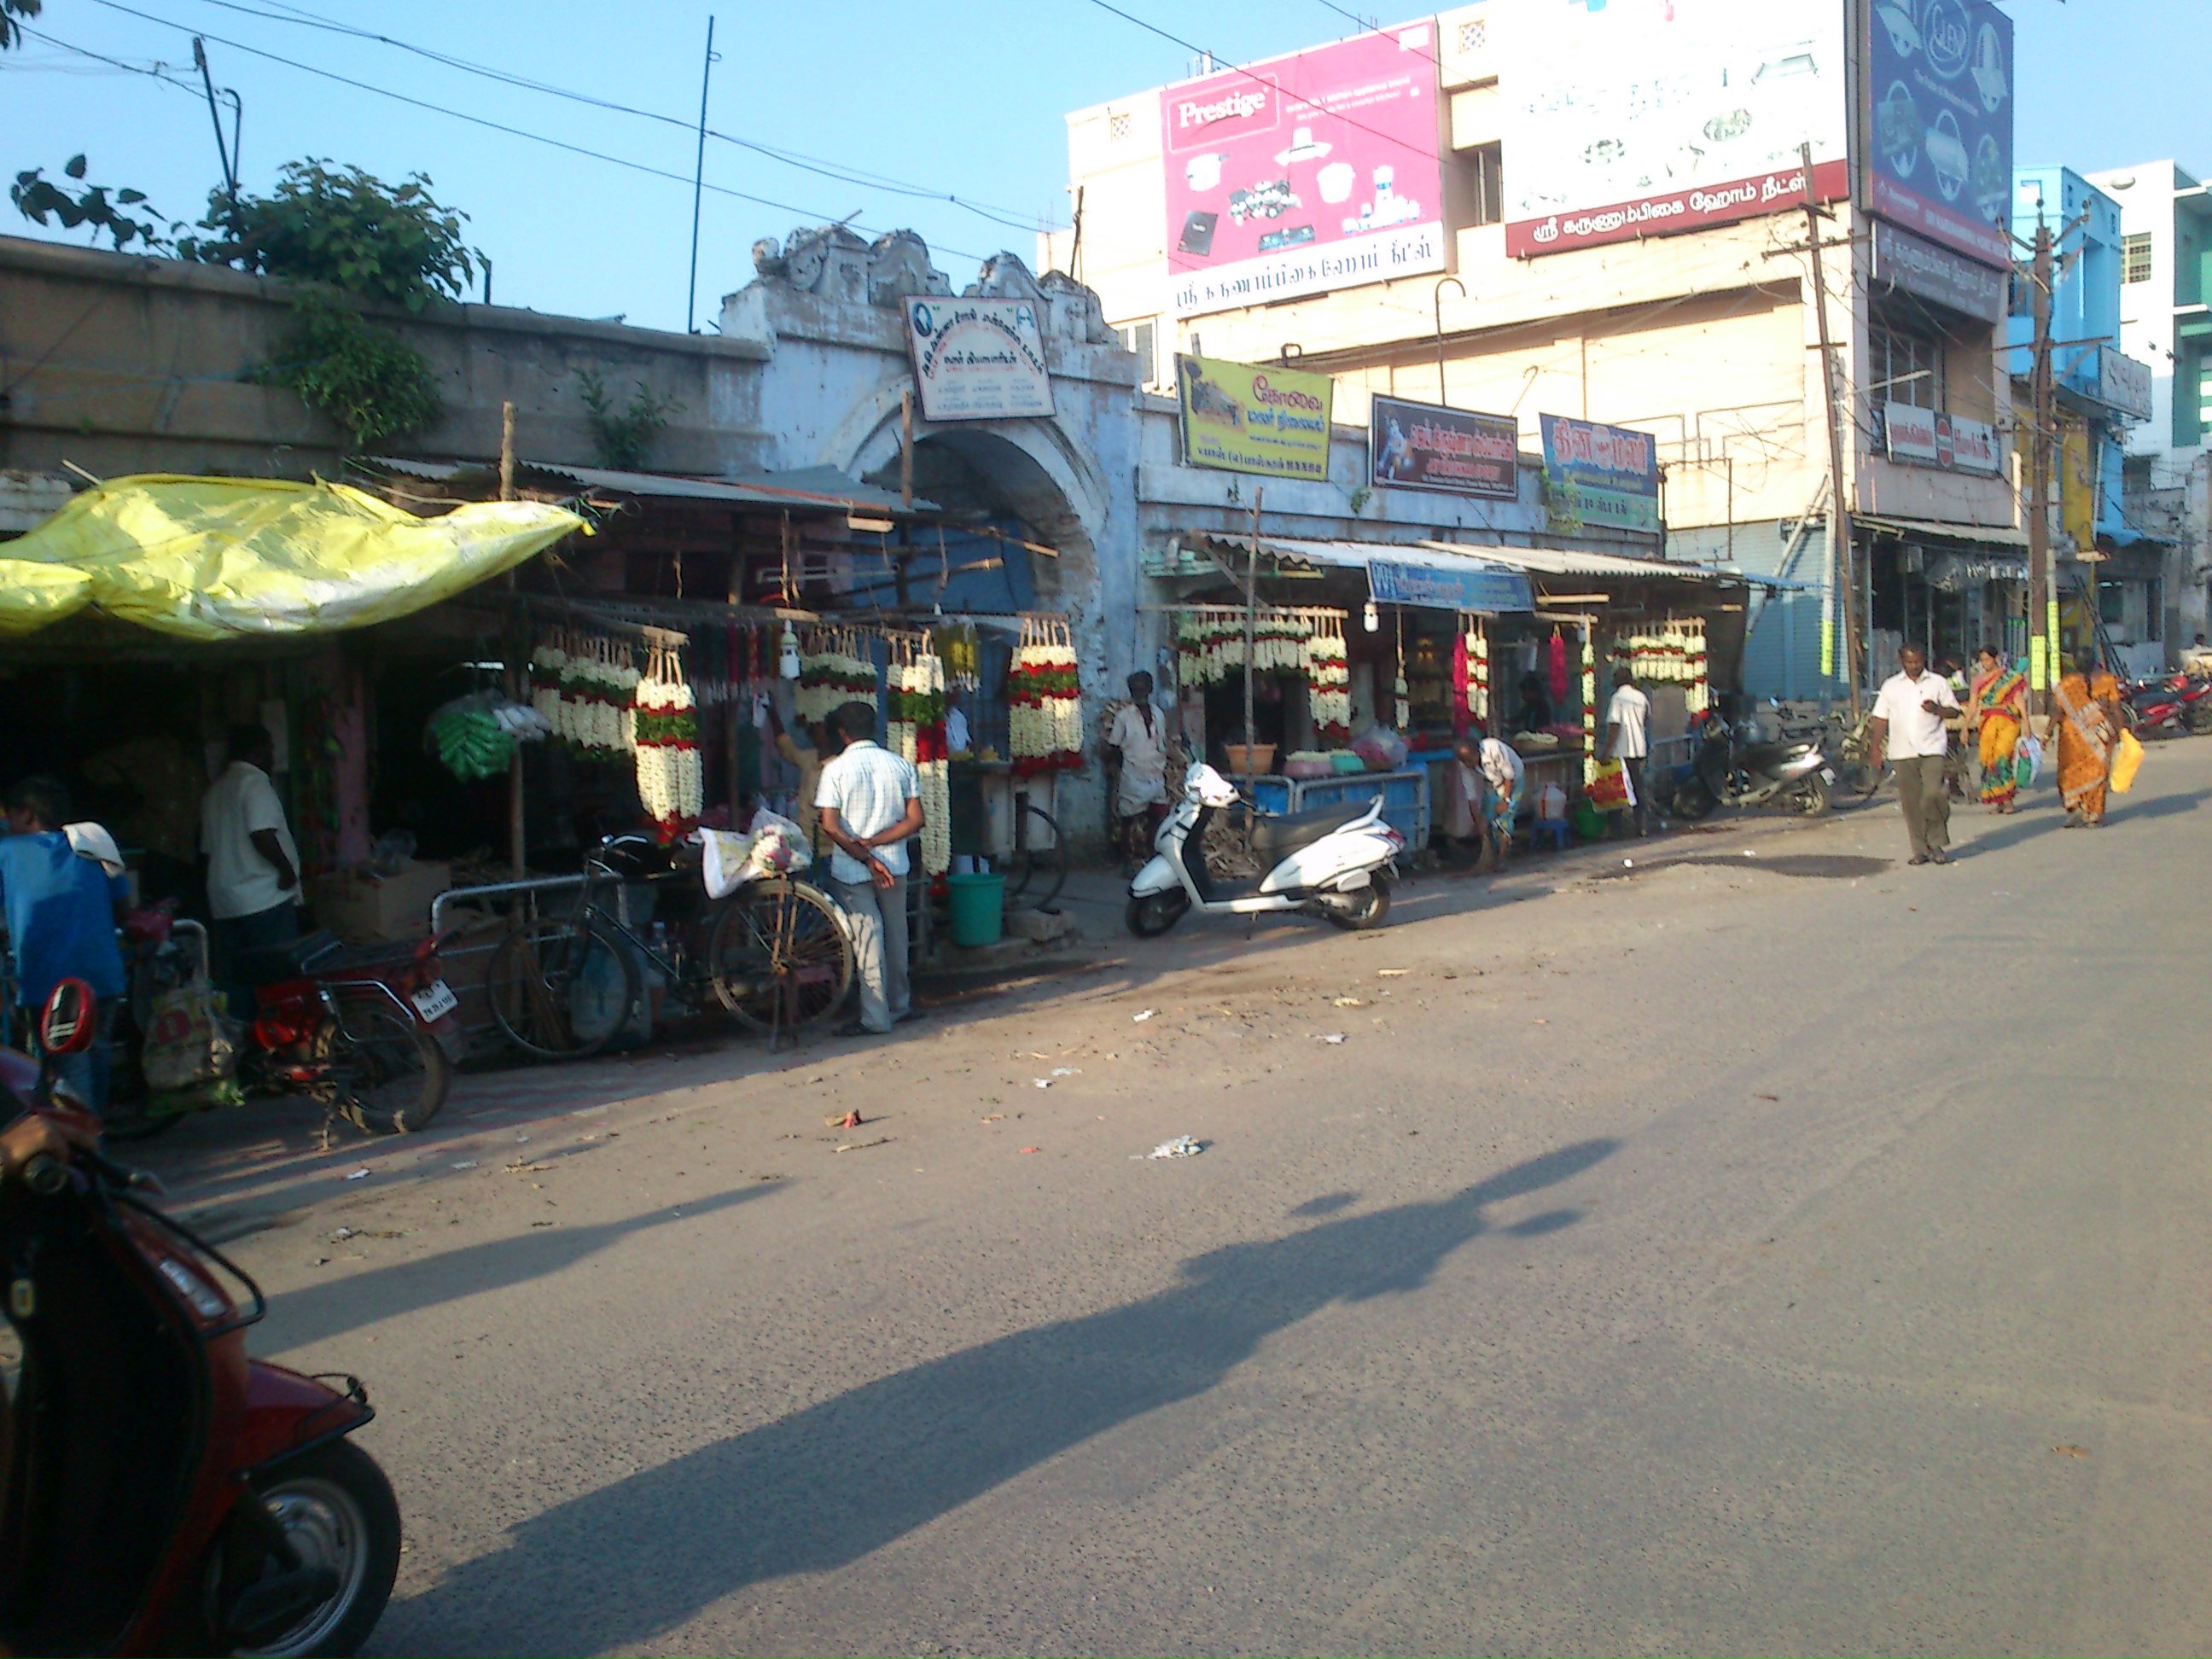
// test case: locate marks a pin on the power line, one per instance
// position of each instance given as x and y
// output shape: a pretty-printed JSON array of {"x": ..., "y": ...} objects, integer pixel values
[
  {"x": 300, "y": 18},
  {"x": 497, "y": 126}
]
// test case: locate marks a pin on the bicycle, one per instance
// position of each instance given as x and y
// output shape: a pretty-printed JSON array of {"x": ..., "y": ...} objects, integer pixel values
[
  {"x": 775, "y": 955},
  {"x": 1039, "y": 859}
]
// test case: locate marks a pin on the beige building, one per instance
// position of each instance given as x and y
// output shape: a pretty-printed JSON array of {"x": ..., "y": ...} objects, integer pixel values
[{"x": 1706, "y": 338}]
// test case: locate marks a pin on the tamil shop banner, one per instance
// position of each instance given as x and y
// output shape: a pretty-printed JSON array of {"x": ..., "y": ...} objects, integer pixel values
[
  {"x": 1603, "y": 474},
  {"x": 1636, "y": 117},
  {"x": 1241, "y": 418},
  {"x": 1428, "y": 446},
  {"x": 1939, "y": 79},
  {"x": 978, "y": 360},
  {"x": 1439, "y": 584},
  {"x": 1922, "y": 437},
  {"x": 1299, "y": 175}
]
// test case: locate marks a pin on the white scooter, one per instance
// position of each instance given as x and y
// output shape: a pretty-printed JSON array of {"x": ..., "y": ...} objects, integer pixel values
[{"x": 1336, "y": 861}]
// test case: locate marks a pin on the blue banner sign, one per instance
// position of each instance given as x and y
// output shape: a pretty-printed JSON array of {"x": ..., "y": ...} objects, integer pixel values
[
  {"x": 1478, "y": 587},
  {"x": 1939, "y": 83}
]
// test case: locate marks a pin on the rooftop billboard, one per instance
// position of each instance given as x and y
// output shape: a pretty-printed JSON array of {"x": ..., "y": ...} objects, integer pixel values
[
  {"x": 1624, "y": 118},
  {"x": 1939, "y": 156},
  {"x": 1303, "y": 174}
]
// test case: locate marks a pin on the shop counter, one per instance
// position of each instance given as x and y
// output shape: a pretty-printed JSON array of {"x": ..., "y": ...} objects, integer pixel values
[{"x": 1405, "y": 797}]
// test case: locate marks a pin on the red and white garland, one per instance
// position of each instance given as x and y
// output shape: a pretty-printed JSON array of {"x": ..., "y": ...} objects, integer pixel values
[
  {"x": 1477, "y": 672},
  {"x": 1044, "y": 703},
  {"x": 917, "y": 732},
  {"x": 1329, "y": 684},
  {"x": 671, "y": 776},
  {"x": 586, "y": 688}
]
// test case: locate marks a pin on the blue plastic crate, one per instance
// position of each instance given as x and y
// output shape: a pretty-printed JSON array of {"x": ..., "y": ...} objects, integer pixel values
[{"x": 1405, "y": 797}]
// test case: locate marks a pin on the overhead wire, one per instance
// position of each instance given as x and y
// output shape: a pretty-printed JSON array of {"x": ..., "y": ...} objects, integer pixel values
[{"x": 501, "y": 126}]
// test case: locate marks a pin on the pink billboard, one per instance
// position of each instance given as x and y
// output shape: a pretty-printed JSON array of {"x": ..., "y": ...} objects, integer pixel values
[{"x": 1302, "y": 173}]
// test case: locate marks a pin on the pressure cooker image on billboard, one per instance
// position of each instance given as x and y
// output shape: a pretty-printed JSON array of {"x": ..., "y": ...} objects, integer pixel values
[
  {"x": 1300, "y": 174},
  {"x": 1939, "y": 156}
]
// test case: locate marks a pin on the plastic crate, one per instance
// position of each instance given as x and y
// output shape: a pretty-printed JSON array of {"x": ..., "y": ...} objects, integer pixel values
[{"x": 1405, "y": 798}]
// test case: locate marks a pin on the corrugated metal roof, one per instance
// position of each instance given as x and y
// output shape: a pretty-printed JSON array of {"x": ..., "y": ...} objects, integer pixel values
[
  {"x": 1561, "y": 562},
  {"x": 821, "y": 488},
  {"x": 1354, "y": 555},
  {"x": 1984, "y": 535}
]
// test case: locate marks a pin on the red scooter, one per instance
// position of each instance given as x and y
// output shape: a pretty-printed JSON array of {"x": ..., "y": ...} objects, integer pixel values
[{"x": 163, "y": 1493}]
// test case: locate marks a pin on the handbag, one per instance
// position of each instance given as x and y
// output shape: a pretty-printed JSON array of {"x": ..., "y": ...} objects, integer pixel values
[
  {"x": 2027, "y": 760},
  {"x": 1610, "y": 790},
  {"x": 2127, "y": 757}
]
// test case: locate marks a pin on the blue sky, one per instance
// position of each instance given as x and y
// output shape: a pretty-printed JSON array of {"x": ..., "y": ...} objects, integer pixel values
[{"x": 949, "y": 98}]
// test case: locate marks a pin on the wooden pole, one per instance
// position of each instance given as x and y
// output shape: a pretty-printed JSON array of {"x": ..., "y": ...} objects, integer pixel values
[
  {"x": 1839, "y": 514},
  {"x": 517, "y": 646},
  {"x": 2042, "y": 667},
  {"x": 1251, "y": 626},
  {"x": 905, "y": 448}
]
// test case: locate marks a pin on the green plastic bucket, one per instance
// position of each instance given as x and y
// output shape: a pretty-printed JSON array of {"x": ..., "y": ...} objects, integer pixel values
[{"x": 978, "y": 909}]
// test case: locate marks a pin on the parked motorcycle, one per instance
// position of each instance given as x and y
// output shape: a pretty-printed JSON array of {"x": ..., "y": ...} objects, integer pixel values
[
  {"x": 2167, "y": 705},
  {"x": 1336, "y": 861},
  {"x": 1732, "y": 767},
  {"x": 372, "y": 1033},
  {"x": 164, "y": 1493}
]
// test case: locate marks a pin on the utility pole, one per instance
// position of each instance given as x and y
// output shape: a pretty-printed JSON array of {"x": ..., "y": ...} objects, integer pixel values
[
  {"x": 222, "y": 153},
  {"x": 1251, "y": 625},
  {"x": 2042, "y": 606},
  {"x": 518, "y": 684},
  {"x": 1839, "y": 514},
  {"x": 699, "y": 183}
]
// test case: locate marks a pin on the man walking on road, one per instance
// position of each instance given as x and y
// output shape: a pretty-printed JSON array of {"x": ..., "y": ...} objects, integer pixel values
[
  {"x": 870, "y": 806},
  {"x": 252, "y": 867},
  {"x": 1628, "y": 740},
  {"x": 1908, "y": 725}
]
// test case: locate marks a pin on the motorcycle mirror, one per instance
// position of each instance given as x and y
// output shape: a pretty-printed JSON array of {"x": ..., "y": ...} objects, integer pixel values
[{"x": 71, "y": 1020}]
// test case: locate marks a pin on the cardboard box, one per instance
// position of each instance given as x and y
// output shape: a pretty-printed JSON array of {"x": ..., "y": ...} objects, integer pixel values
[{"x": 364, "y": 909}]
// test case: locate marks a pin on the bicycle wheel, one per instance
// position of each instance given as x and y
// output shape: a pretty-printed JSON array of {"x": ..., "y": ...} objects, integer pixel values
[
  {"x": 780, "y": 956},
  {"x": 378, "y": 1070},
  {"x": 559, "y": 991},
  {"x": 1038, "y": 868}
]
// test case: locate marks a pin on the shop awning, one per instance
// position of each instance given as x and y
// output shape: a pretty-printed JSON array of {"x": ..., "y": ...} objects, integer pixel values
[
  {"x": 212, "y": 559},
  {"x": 818, "y": 488},
  {"x": 1562, "y": 561},
  {"x": 1407, "y": 573},
  {"x": 1933, "y": 530}
]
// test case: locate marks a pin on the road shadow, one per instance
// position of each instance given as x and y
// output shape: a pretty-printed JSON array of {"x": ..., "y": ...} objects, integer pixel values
[
  {"x": 1804, "y": 867},
  {"x": 317, "y": 1312},
  {"x": 830, "y": 1484}
]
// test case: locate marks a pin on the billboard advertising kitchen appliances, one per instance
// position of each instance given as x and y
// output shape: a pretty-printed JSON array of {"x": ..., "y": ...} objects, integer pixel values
[
  {"x": 1427, "y": 446},
  {"x": 1626, "y": 119},
  {"x": 1273, "y": 421},
  {"x": 1939, "y": 151},
  {"x": 977, "y": 360},
  {"x": 1303, "y": 174},
  {"x": 1604, "y": 475}
]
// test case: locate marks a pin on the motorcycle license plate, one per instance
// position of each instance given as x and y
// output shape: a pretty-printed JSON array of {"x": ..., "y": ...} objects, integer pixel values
[
  {"x": 435, "y": 1000},
  {"x": 1827, "y": 774}
]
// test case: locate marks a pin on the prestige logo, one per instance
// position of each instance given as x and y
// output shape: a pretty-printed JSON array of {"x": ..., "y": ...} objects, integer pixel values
[
  {"x": 1947, "y": 36},
  {"x": 1231, "y": 107}
]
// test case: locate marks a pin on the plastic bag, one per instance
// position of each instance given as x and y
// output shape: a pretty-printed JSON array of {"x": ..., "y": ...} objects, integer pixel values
[
  {"x": 776, "y": 846},
  {"x": 1609, "y": 789},
  {"x": 2027, "y": 759},
  {"x": 1383, "y": 749},
  {"x": 186, "y": 1044},
  {"x": 2127, "y": 757}
]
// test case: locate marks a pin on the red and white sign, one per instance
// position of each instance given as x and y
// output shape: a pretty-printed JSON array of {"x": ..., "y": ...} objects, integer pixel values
[
  {"x": 1922, "y": 437},
  {"x": 1300, "y": 174},
  {"x": 1641, "y": 118}
]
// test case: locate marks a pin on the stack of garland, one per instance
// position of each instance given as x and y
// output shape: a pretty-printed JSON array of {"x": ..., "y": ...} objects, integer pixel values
[
  {"x": 916, "y": 691},
  {"x": 1476, "y": 644},
  {"x": 1676, "y": 657},
  {"x": 1329, "y": 684},
  {"x": 586, "y": 690},
  {"x": 1589, "y": 708},
  {"x": 1403, "y": 705},
  {"x": 671, "y": 776},
  {"x": 1210, "y": 643},
  {"x": 832, "y": 674},
  {"x": 1044, "y": 716}
]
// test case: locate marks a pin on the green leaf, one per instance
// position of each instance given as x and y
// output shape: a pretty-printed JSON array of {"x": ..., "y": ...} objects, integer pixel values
[{"x": 75, "y": 166}]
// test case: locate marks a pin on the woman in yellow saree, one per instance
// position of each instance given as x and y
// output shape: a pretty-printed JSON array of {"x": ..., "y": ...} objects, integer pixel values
[
  {"x": 2088, "y": 725},
  {"x": 1997, "y": 703}
]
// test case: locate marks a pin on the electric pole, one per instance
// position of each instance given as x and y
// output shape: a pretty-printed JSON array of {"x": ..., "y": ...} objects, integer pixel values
[
  {"x": 2042, "y": 605},
  {"x": 1839, "y": 513},
  {"x": 698, "y": 185}
]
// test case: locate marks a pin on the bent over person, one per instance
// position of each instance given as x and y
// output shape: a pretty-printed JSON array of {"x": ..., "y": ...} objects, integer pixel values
[{"x": 871, "y": 807}]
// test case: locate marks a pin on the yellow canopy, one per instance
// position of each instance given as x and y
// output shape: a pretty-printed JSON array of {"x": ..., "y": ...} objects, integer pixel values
[{"x": 215, "y": 559}]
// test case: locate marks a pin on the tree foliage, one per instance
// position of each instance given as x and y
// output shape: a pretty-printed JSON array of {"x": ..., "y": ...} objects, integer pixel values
[
  {"x": 11, "y": 33},
  {"x": 623, "y": 437},
  {"x": 368, "y": 380},
  {"x": 43, "y": 200}
]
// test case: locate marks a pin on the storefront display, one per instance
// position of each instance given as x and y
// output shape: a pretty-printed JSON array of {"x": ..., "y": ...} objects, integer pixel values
[
  {"x": 671, "y": 772},
  {"x": 584, "y": 688},
  {"x": 835, "y": 667},
  {"x": 915, "y": 682},
  {"x": 1044, "y": 713}
]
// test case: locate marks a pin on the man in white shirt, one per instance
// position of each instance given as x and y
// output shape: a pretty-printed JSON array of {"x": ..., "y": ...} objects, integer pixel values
[
  {"x": 870, "y": 806},
  {"x": 1908, "y": 726},
  {"x": 1138, "y": 739},
  {"x": 252, "y": 867},
  {"x": 1628, "y": 739},
  {"x": 1491, "y": 773}
]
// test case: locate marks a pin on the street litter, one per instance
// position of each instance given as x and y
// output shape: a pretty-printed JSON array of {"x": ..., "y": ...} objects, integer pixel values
[
  {"x": 342, "y": 1232},
  {"x": 1748, "y": 854},
  {"x": 521, "y": 1137},
  {"x": 1032, "y": 1149},
  {"x": 467, "y": 1163},
  {"x": 1180, "y": 1146},
  {"x": 1392, "y": 973},
  {"x": 1328, "y": 1037},
  {"x": 1351, "y": 1002},
  {"x": 1044, "y": 1083},
  {"x": 1138, "y": 1019},
  {"x": 1065, "y": 1071},
  {"x": 995, "y": 1117},
  {"x": 863, "y": 1145},
  {"x": 1628, "y": 864},
  {"x": 526, "y": 1168},
  {"x": 843, "y": 1121},
  {"x": 358, "y": 1175}
]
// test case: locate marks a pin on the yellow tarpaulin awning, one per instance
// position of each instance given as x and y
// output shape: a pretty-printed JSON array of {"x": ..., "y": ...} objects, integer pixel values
[{"x": 214, "y": 559}]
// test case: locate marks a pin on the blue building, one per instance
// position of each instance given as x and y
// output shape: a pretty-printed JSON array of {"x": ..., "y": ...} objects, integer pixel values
[{"x": 2111, "y": 575}]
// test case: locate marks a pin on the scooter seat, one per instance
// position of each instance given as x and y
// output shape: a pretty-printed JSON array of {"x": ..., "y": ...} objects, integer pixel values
[{"x": 1278, "y": 837}]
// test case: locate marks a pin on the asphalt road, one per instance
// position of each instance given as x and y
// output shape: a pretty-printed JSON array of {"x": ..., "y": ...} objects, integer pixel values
[{"x": 1766, "y": 1249}]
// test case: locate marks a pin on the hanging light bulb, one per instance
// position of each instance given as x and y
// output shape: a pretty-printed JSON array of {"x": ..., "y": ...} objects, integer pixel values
[
  {"x": 787, "y": 665},
  {"x": 1371, "y": 619}
]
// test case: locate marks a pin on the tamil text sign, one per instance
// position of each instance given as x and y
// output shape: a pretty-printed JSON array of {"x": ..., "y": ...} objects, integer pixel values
[
  {"x": 1924, "y": 437},
  {"x": 978, "y": 360},
  {"x": 1937, "y": 274},
  {"x": 1303, "y": 174},
  {"x": 1637, "y": 118},
  {"x": 1603, "y": 474},
  {"x": 1440, "y": 587},
  {"x": 1428, "y": 446},
  {"x": 2123, "y": 384},
  {"x": 1939, "y": 155},
  {"x": 1273, "y": 421}
]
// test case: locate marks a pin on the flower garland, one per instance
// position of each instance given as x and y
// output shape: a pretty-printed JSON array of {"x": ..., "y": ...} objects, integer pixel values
[
  {"x": 670, "y": 776},
  {"x": 1402, "y": 706},
  {"x": 917, "y": 708},
  {"x": 1210, "y": 643},
  {"x": 1329, "y": 684},
  {"x": 1476, "y": 644},
  {"x": 1676, "y": 657},
  {"x": 1044, "y": 710},
  {"x": 831, "y": 676},
  {"x": 585, "y": 690},
  {"x": 1589, "y": 703}
]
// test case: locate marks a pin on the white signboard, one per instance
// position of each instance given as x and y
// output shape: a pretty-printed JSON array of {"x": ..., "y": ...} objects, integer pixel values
[
  {"x": 2123, "y": 384},
  {"x": 978, "y": 360},
  {"x": 1922, "y": 437},
  {"x": 1637, "y": 118}
]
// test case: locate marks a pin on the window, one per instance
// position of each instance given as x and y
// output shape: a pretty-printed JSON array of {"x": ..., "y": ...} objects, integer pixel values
[
  {"x": 1905, "y": 367},
  {"x": 1474, "y": 36},
  {"x": 2111, "y": 604},
  {"x": 2154, "y": 609},
  {"x": 1119, "y": 126},
  {"x": 1487, "y": 165},
  {"x": 1142, "y": 339},
  {"x": 2135, "y": 257}
]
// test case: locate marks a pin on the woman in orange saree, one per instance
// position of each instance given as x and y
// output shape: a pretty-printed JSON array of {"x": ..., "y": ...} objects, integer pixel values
[
  {"x": 2088, "y": 725},
  {"x": 1998, "y": 705}
]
